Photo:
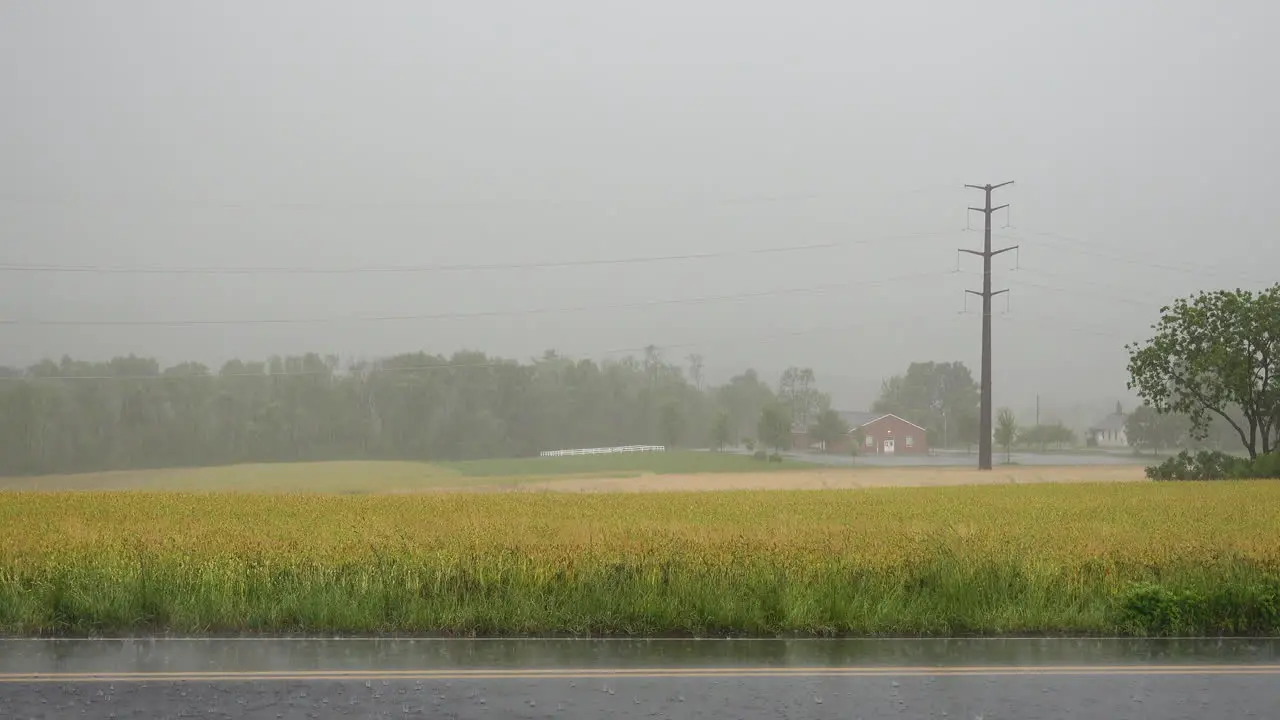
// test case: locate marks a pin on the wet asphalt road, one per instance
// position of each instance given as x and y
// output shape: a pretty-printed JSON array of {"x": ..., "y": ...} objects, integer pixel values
[{"x": 640, "y": 679}]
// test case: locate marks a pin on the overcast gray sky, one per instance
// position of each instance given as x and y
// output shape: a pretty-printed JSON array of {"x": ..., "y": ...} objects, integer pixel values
[{"x": 345, "y": 135}]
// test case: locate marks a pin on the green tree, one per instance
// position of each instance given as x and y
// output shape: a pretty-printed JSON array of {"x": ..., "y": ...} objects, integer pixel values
[
  {"x": 1036, "y": 436},
  {"x": 130, "y": 412},
  {"x": 744, "y": 397},
  {"x": 1147, "y": 428},
  {"x": 941, "y": 397},
  {"x": 829, "y": 428},
  {"x": 1042, "y": 436},
  {"x": 1061, "y": 435},
  {"x": 1006, "y": 432},
  {"x": 798, "y": 393},
  {"x": 720, "y": 431},
  {"x": 1216, "y": 354},
  {"x": 696, "y": 364},
  {"x": 859, "y": 438},
  {"x": 774, "y": 428},
  {"x": 672, "y": 425},
  {"x": 1140, "y": 428}
]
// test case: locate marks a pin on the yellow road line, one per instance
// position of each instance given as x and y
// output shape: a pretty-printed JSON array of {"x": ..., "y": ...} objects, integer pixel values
[{"x": 669, "y": 673}]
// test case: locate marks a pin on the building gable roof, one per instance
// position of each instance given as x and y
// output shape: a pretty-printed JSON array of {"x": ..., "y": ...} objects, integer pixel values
[{"x": 856, "y": 420}]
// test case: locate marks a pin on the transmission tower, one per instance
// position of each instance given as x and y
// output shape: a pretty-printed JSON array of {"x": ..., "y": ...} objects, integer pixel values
[{"x": 984, "y": 423}]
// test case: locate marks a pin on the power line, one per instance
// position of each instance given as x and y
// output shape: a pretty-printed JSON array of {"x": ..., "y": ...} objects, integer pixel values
[
  {"x": 747, "y": 339},
  {"x": 461, "y": 267},
  {"x": 984, "y": 431},
  {"x": 1083, "y": 247},
  {"x": 468, "y": 315},
  {"x": 1059, "y": 324},
  {"x": 1147, "y": 304},
  {"x": 738, "y": 340},
  {"x": 1122, "y": 298},
  {"x": 683, "y": 200},
  {"x": 1062, "y": 319}
]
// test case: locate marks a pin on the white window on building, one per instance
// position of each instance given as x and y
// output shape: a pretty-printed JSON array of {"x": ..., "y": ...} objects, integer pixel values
[
  {"x": 910, "y": 441},
  {"x": 871, "y": 442}
]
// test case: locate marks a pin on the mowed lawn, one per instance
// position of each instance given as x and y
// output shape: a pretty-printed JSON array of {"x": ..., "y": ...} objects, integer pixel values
[
  {"x": 385, "y": 477},
  {"x": 1118, "y": 558}
]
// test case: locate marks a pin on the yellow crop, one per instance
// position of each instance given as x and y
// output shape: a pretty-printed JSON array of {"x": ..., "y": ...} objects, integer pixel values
[{"x": 239, "y": 549}]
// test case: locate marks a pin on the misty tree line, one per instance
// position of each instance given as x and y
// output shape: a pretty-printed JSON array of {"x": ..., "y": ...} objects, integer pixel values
[
  {"x": 76, "y": 416},
  {"x": 72, "y": 416}
]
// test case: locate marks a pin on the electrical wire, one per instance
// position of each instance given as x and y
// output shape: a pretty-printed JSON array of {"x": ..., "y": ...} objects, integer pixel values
[
  {"x": 345, "y": 202},
  {"x": 1083, "y": 247},
  {"x": 747, "y": 339},
  {"x": 915, "y": 320},
  {"x": 460, "y": 267},
  {"x": 469, "y": 315},
  {"x": 1148, "y": 304}
]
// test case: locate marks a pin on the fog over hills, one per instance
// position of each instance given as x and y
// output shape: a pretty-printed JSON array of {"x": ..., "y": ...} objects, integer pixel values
[{"x": 346, "y": 153}]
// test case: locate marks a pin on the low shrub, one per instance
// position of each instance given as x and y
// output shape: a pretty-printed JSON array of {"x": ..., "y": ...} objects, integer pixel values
[
  {"x": 1232, "y": 608},
  {"x": 1267, "y": 466},
  {"x": 760, "y": 455},
  {"x": 1214, "y": 465}
]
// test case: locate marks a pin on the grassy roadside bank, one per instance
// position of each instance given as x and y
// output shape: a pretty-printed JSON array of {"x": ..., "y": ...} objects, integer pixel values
[{"x": 1146, "y": 559}]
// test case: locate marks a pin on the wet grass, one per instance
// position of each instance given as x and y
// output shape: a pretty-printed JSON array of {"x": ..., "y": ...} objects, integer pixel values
[
  {"x": 322, "y": 477},
  {"x": 658, "y": 463},
  {"x": 394, "y": 477},
  {"x": 1144, "y": 559}
]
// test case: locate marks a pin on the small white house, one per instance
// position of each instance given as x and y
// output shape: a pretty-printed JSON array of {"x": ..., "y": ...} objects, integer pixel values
[{"x": 1109, "y": 432}]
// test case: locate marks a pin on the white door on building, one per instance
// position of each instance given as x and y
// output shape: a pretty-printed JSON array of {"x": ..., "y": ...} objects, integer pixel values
[{"x": 888, "y": 446}]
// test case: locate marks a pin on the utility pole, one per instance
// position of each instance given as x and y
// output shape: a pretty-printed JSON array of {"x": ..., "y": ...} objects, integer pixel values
[{"x": 984, "y": 424}]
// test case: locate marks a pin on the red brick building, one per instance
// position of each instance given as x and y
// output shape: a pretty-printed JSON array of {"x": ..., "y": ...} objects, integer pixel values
[
  {"x": 880, "y": 433},
  {"x": 889, "y": 434}
]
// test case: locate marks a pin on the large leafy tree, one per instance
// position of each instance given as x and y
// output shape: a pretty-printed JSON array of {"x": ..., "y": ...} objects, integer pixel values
[
  {"x": 720, "y": 431},
  {"x": 71, "y": 415},
  {"x": 1216, "y": 354},
  {"x": 1006, "y": 431},
  {"x": 798, "y": 392},
  {"x": 774, "y": 428},
  {"x": 942, "y": 397},
  {"x": 1152, "y": 430},
  {"x": 743, "y": 398},
  {"x": 829, "y": 428},
  {"x": 1043, "y": 436},
  {"x": 672, "y": 425}
]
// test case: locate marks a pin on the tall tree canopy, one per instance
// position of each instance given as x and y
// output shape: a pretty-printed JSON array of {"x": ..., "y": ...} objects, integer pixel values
[
  {"x": 70, "y": 415},
  {"x": 744, "y": 397},
  {"x": 1216, "y": 354},
  {"x": 797, "y": 391},
  {"x": 941, "y": 397},
  {"x": 1152, "y": 430},
  {"x": 828, "y": 428},
  {"x": 1006, "y": 431},
  {"x": 774, "y": 427}
]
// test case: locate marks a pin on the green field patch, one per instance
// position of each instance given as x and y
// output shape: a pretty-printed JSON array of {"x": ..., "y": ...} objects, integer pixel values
[
  {"x": 320, "y": 477},
  {"x": 377, "y": 476},
  {"x": 658, "y": 463}
]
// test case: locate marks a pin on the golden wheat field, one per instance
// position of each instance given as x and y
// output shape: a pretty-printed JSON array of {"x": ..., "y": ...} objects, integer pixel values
[
  {"x": 1008, "y": 558},
  {"x": 1055, "y": 523}
]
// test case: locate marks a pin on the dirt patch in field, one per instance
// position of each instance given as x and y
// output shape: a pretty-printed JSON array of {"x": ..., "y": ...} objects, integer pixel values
[{"x": 836, "y": 478}]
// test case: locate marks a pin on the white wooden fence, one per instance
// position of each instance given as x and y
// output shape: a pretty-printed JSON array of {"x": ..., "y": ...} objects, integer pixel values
[{"x": 604, "y": 450}]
